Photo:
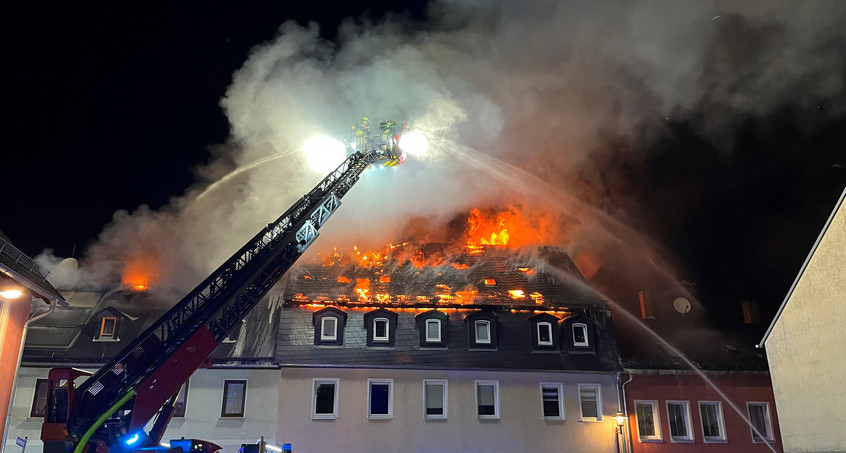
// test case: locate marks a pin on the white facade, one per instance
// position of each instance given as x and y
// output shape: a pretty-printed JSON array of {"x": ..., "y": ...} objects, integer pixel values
[
  {"x": 519, "y": 428},
  {"x": 202, "y": 411},
  {"x": 806, "y": 349}
]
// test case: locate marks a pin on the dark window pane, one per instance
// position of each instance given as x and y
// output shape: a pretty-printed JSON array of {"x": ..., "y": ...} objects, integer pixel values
[
  {"x": 434, "y": 399},
  {"x": 645, "y": 421},
  {"x": 485, "y": 394},
  {"x": 179, "y": 406},
  {"x": 380, "y": 328},
  {"x": 233, "y": 398},
  {"x": 325, "y": 403},
  {"x": 379, "y": 399},
  {"x": 678, "y": 424},
  {"x": 544, "y": 333},
  {"x": 757, "y": 415},
  {"x": 587, "y": 395},
  {"x": 550, "y": 402},
  {"x": 107, "y": 327},
  {"x": 39, "y": 401},
  {"x": 579, "y": 334},
  {"x": 710, "y": 424}
]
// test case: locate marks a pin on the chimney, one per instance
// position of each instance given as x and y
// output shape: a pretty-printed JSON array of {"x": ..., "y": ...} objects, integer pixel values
[
  {"x": 751, "y": 314},
  {"x": 645, "y": 305}
]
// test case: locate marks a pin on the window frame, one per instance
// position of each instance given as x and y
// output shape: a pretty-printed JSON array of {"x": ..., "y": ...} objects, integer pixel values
[
  {"x": 689, "y": 436},
  {"x": 243, "y": 410},
  {"x": 323, "y": 335},
  {"x": 497, "y": 414},
  {"x": 445, "y": 399},
  {"x": 656, "y": 421},
  {"x": 183, "y": 395},
  {"x": 598, "y": 392},
  {"x": 440, "y": 333},
  {"x": 387, "y": 337},
  {"x": 721, "y": 424},
  {"x": 584, "y": 327},
  {"x": 35, "y": 397},
  {"x": 768, "y": 422},
  {"x": 324, "y": 416},
  {"x": 113, "y": 332},
  {"x": 559, "y": 386},
  {"x": 548, "y": 325},
  {"x": 390, "y": 413},
  {"x": 476, "y": 324}
]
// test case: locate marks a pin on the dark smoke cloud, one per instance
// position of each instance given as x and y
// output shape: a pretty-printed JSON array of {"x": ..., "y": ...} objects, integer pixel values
[{"x": 552, "y": 104}]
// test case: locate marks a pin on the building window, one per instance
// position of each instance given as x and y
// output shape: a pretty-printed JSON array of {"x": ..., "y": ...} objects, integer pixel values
[
  {"x": 762, "y": 424},
  {"x": 544, "y": 334},
  {"x": 380, "y": 398},
  {"x": 435, "y": 399},
  {"x": 108, "y": 326},
  {"x": 590, "y": 401},
  {"x": 580, "y": 334},
  {"x": 483, "y": 331},
  {"x": 234, "y": 397},
  {"x": 648, "y": 424},
  {"x": 678, "y": 416},
  {"x": 487, "y": 399},
  {"x": 552, "y": 400},
  {"x": 39, "y": 399},
  {"x": 329, "y": 329},
  {"x": 324, "y": 399},
  {"x": 433, "y": 330},
  {"x": 713, "y": 426},
  {"x": 380, "y": 329},
  {"x": 181, "y": 401}
]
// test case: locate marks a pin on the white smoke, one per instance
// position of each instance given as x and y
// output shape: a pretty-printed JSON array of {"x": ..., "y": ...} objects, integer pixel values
[{"x": 521, "y": 100}]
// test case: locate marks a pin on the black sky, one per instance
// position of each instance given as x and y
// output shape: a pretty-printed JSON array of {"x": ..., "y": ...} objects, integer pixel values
[{"x": 111, "y": 109}]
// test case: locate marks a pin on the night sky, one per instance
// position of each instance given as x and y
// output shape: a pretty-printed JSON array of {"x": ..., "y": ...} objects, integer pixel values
[{"x": 112, "y": 109}]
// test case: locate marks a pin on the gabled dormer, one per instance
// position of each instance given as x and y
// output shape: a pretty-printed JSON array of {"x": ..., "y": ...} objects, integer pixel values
[
  {"x": 329, "y": 326},
  {"x": 579, "y": 335},
  {"x": 482, "y": 330},
  {"x": 108, "y": 324},
  {"x": 432, "y": 326},
  {"x": 381, "y": 326},
  {"x": 543, "y": 329}
]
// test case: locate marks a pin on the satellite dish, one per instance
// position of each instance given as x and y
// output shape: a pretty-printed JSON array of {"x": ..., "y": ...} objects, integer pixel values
[
  {"x": 681, "y": 305},
  {"x": 69, "y": 263}
]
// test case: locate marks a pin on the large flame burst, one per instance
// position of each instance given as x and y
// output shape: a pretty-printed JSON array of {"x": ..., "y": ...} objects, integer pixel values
[{"x": 510, "y": 227}]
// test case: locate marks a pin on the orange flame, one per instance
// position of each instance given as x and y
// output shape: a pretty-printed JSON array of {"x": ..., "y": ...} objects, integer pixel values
[
  {"x": 141, "y": 272},
  {"x": 510, "y": 227}
]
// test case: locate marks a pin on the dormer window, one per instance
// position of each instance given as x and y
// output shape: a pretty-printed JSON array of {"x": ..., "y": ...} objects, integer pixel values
[
  {"x": 544, "y": 333},
  {"x": 482, "y": 328},
  {"x": 329, "y": 327},
  {"x": 580, "y": 335},
  {"x": 108, "y": 327},
  {"x": 381, "y": 326},
  {"x": 380, "y": 330},
  {"x": 433, "y": 330},
  {"x": 432, "y": 326},
  {"x": 483, "y": 331}
]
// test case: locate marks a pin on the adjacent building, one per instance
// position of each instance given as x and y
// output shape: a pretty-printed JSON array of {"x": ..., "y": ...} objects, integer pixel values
[{"x": 805, "y": 347}]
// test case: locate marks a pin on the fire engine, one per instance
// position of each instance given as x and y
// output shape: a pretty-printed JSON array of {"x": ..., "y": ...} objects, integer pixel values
[{"x": 109, "y": 409}]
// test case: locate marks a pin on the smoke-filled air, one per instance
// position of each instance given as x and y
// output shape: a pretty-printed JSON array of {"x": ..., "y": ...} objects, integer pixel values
[{"x": 542, "y": 111}]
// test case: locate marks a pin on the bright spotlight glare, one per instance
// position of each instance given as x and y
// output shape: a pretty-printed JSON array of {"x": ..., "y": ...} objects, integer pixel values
[
  {"x": 132, "y": 439},
  {"x": 323, "y": 153},
  {"x": 414, "y": 143}
]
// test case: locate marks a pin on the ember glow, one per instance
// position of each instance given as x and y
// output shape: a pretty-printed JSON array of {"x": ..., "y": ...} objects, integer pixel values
[{"x": 141, "y": 272}]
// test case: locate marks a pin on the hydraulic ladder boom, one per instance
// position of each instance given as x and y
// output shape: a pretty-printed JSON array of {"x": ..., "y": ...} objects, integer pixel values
[{"x": 125, "y": 394}]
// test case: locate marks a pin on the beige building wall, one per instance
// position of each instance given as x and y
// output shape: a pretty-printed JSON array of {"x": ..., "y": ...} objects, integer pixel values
[
  {"x": 806, "y": 349},
  {"x": 521, "y": 427}
]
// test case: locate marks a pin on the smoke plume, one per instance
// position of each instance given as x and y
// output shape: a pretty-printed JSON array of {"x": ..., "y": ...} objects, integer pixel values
[{"x": 550, "y": 104}]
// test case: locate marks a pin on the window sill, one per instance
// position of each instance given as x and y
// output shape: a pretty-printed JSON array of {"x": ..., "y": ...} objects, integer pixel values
[
  {"x": 763, "y": 441},
  {"x": 651, "y": 441},
  {"x": 379, "y": 417},
  {"x": 434, "y": 417},
  {"x": 553, "y": 419},
  {"x": 324, "y": 417},
  {"x": 682, "y": 440},
  {"x": 590, "y": 420},
  {"x": 715, "y": 441},
  {"x": 106, "y": 340}
]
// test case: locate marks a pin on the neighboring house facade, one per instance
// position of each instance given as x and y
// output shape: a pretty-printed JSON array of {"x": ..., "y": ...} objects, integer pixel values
[
  {"x": 726, "y": 411},
  {"x": 806, "y": 349}
]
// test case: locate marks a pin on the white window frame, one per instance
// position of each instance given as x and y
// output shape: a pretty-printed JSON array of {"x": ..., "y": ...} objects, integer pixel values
[
  {"x": 768, "y": 421},
  {"x": 433, "y": 339},
  {"x": 721, "y": 425},
  {"x": 598, "y": 417},
  {"x": 548, "y": 325},
  {"x": 496, "y": 414},
  {"x": 688, "y": 437},
  {"x": 387, "y": 337},
  {"x": 243, "y": 413},
  {"x": 314, "y": 384},
  {"x": 183, "y": 396},
  {"x": 559, "y": 386},
  {"x": 585, "y": 328},
  {"x": 482, "y": 322},
  {"x": 390, "y": 384},
  {"x": 656, "y": 420},
  {"x": 443, "y": 384},
  {"x": 324, "y": 335}
]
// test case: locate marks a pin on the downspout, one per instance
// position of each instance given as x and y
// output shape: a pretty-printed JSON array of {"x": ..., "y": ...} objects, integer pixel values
[
  {"x": 626, "y": 413},
  {"x": 18, "y": 367}
]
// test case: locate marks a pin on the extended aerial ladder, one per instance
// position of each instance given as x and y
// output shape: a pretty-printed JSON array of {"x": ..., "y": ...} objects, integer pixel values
[{"x": 112, "y": 406}]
